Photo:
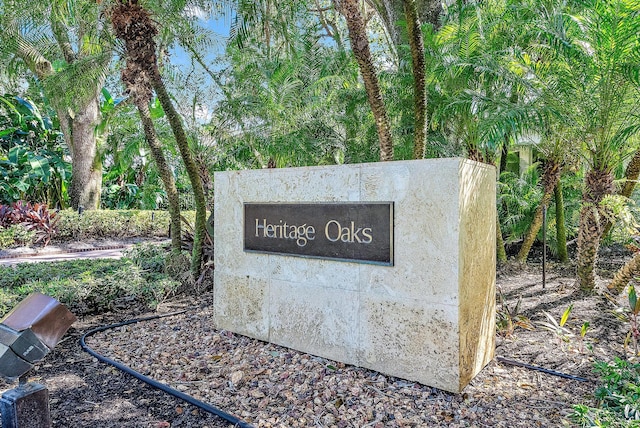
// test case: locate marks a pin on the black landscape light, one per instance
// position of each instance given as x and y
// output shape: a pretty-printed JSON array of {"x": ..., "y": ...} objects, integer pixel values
[{"x": 27, "y": 334}]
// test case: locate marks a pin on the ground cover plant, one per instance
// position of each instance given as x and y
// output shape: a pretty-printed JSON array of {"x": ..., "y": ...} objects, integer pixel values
[{"x": 90, "y": 286}]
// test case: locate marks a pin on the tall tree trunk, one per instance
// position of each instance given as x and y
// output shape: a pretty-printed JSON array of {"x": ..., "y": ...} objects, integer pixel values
[
  {"x": 133, "y": 24},
  {"x": 598, "y": 184},
  {"x": 561, "y": 229},
  {"x": 175, "y": 121},
  {"x": 360, "y": 47},
  {"x": 419, "y": 81},
  {"x": 166, "y": 175},
  {"x": 391, "y": 11},
  {"x": 550, "y": 178},
  {"x": 631, "y": 174},
  {"x": 501, "y": 251},
  {"x": 504, "y": 154},
  {"x": 86, "y": 165}
]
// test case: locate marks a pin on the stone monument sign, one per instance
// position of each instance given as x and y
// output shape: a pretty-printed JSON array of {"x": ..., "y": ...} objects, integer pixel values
[{"x": 388, "y": 266}]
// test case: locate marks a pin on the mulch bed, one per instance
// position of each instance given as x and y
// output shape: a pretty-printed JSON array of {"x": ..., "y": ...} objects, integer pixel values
[{"x": 271, "y": 386}]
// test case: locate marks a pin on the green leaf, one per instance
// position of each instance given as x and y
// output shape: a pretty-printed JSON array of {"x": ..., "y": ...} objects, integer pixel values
[
  {"x": 39, "y": 166},
  {"x": 634, "y": 303},
  {"x": 16, "y": 155},
  {"x": 33, "y": 109},
  {"x": 21, "y": 185},
  {"x": 8, "y": 131},
  {"x": 565, "y": 315},
  {"x": 156, "y": 110},
  {"x": 584, "y": 328}
]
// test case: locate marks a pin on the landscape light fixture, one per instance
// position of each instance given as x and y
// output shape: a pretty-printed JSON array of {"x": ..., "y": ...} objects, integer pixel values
[{"x": 27, "y": 334}]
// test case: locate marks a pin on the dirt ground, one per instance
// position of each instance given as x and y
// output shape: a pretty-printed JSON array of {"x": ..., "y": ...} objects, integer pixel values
[{"x": 271, "y": 386}]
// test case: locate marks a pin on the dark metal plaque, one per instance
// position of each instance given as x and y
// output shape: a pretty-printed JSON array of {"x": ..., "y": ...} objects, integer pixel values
[{"x": 348, "y": 231}]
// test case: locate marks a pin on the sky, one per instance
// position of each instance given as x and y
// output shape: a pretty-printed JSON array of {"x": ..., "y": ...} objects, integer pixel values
[{"x": 219, "y": 26}]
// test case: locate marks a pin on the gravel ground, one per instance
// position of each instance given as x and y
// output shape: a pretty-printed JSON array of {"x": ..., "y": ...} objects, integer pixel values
[{"x": 270, "y": 386}]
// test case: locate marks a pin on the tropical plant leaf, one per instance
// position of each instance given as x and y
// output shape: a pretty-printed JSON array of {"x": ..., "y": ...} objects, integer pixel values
[{"x": 565, "y": 315}]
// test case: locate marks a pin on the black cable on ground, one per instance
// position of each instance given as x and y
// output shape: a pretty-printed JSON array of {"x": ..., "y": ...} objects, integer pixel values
[
  {"x": 171, "y": 391},
  {"x": 542, "y": 369}
]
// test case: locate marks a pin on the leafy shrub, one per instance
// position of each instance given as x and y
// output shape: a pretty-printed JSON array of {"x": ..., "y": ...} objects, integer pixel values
[
  {"x": 518, "y": 198},
  {"x": 34, "y": 218},
  {"x": 148, "y": 257},
  {"x": 85, "y": 286},
  {"x": 113, "y": 224},
  {"x": 16, "y": 235},
  {"x": 6, "y": 238},
  {"x": 618, "y": 397},
  {"x": 32, "y": 153}
]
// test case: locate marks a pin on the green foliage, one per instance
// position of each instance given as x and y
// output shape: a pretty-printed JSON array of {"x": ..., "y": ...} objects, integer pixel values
[
  {"x": 112, "y": 224},
  {"x": 32, "y": 151},
  {"x": 6, "y": 237},
  {"x": 130, "y": 179},
  {"x": 618, "y": 397},
  {"x": 86, "y": 286},
  {"x": 518, "y": 198},
  {"x": 300, "y": 107},
  {"x": 16, "y": 235},
  {"x": 149, "y": 257},
  {"x": 623, "y": 213},
  {"x": 508, "y": 318}
]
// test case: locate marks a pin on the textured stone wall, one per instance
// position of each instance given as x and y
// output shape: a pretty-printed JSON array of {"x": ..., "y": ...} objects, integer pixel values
[{"x": 429, "y": 318}]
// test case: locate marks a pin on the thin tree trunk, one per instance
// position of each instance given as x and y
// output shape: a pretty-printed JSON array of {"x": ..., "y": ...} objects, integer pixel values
[
  {"x": 419, "y": 81},
  {"x": 598, "y": 184},
  {"x": 631, "y": 174},
  {"x": 501, "y": 251},
  {"x": 504, "y": 154},
  {"x": 86, "y": 166},
  {"x": 360, "y": 47},
  {"x": 550, "y": 178},
  {"x": 166, "y": 175},
  {"x": 561, "y": 229},
  {"x": 175, "y": 121},
  {"x": 625, "y": 274}
]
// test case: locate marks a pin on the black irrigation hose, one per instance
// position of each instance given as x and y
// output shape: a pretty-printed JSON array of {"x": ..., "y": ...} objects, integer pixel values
[
  {"x": 541, "y": 369},
  {"x": 189, "y": 399}
]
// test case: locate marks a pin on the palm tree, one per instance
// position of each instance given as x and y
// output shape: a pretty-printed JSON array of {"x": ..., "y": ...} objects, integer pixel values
[
  {"x": 419, "y": 78},
  {"x": 350, "y": 9},
  {"x": 592, "y": 58},
  {"x": 556, "y": 149},
  {"x": 68, "y": 52},
  {"x": 480, "y": 102},
  {"x": 631, "y": 175},
  {"x": 133, "y": 24},
  {"x": 140, "y": 90}
]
